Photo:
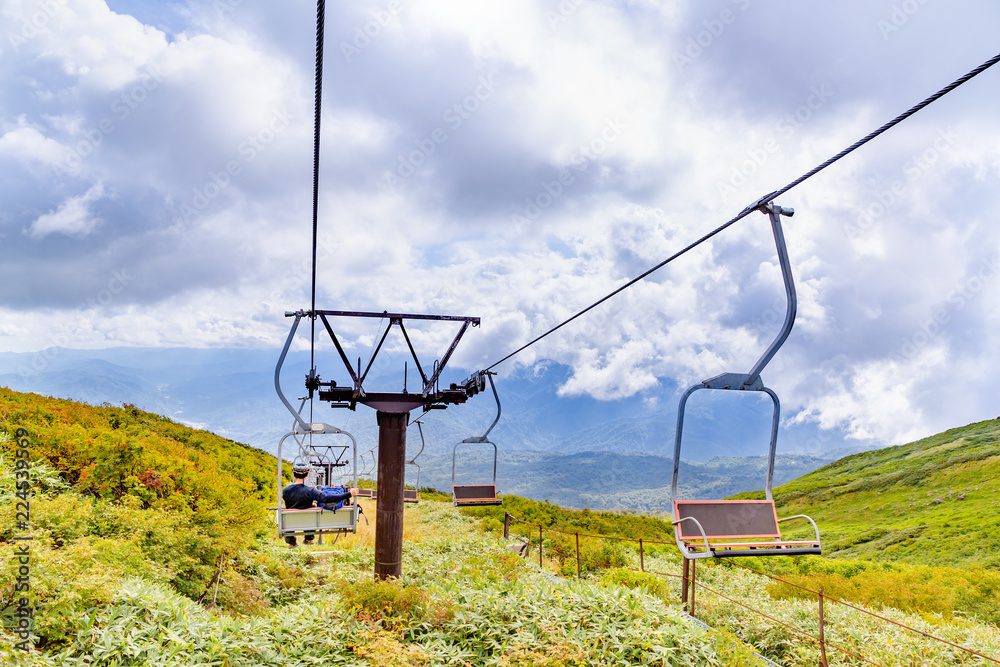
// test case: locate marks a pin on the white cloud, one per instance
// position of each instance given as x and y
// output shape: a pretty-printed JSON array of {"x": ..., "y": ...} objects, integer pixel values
[
  {"x": 28, "y": 144},
  {"x": 442, "y": 241},
  {"x": 74, "y": 217},
  {"x": 8, "y": 329}
]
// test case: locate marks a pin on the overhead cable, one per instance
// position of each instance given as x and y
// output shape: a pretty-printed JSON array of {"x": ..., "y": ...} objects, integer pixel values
[
  {"x": 320, "y": 21},
  {"x": 764, "y": 200}
]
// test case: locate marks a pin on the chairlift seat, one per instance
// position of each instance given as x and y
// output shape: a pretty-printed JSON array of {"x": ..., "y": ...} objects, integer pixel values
[
  {"x": 364, "y": 493},
  {"x": 733, "y": 528},
  {"x": 317, "y": 520},
  {"x": 475, "y": 494},
  {"x": 410, "y": 496}
]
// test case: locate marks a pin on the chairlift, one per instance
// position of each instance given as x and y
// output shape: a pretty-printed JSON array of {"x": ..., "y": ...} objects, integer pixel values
[
  {"x": 328, "y": 460},
  {"x": 468, "y": 495},
  {"x": 732, "y": 528},
  {"x": 369, "y": 472},
  {"x": 413, "y": 495},
  {"x": 318, "y": 520}
]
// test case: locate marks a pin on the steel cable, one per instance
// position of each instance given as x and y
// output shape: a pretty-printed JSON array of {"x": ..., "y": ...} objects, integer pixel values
[
  {"x": 318, "y": 112},
  {"x": 766, "y": 198},
  {"x": 320, "y": 21}
]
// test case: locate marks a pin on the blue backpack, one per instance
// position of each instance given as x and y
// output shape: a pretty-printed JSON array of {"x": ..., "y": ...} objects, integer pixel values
[{"x": 339, "y": 490}]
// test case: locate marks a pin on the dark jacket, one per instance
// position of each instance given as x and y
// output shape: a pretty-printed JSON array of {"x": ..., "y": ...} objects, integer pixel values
[{"x": 301, "y": 497}]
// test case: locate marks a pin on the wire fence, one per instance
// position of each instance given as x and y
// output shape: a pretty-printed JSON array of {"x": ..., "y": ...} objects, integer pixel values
[{"x": 690, "y": 584}]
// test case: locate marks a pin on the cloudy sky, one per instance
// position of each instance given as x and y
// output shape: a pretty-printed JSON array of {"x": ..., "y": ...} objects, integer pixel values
[{"x": 516, "y": 161}]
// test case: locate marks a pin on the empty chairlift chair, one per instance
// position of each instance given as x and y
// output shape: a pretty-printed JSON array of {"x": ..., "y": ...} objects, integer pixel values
[
  {"x": 465, "y": 495},
  {"x": 731, "y": 528},
  {"x": 413, "y": 495},
  {"x": 369, "y": 472}
]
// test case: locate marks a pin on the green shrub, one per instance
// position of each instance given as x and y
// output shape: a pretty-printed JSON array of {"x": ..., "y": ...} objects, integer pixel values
[
  {"x": 390, "y": 604},
  {"x": 649, "y": 583}
]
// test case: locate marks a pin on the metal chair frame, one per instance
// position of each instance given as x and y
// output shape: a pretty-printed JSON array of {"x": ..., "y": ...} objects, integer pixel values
[
  {"x": 369, "y": 472},
  {"x": 413, "y": 495},
  {"x": 750, "y": 381},
  {"x": 482, "y": 439},
  {"x": 318, "y": 521}
]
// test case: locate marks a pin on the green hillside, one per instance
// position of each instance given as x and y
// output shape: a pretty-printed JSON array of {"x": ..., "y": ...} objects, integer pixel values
[
  {"x": 932, "y": 502},
  {"x": 118, "y": 493},
  {"x": 151, "y": 545}
]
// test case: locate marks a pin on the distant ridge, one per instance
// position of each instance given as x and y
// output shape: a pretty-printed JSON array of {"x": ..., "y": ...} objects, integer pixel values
[{"x": 231, "y": 393}]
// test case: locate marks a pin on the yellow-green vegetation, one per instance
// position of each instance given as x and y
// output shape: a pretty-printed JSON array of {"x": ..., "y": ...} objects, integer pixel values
[
  {"x": 914, "y": 527},
  {"x": 862, "y": 634},
  {"x": 546, "y": 514},
  {"x": 562, "y": 526},
  {"x": 463, "y": 600},
  {"x": 120, "y": 493},
  {"x": 960, "y": 605},
  {"x": 932, "y": 502},
  {"x": 928, "y": 591},
  {"x": 151, "y": 546}
]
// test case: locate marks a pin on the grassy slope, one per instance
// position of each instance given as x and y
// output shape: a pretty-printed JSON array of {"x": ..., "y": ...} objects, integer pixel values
[
  {"x": 116, "y": 545},
  {"x": 463, "y": 600},
  {"x": 110, "y": 452},
  {"x": 118, "y": 492},
  {"x": 933, "y": 502}
]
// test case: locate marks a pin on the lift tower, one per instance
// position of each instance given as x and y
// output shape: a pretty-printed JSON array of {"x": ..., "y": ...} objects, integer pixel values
[{"x": 392, "y": 413}]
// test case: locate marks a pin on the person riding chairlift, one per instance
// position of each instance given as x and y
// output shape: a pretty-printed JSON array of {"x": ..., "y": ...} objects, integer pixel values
[{"x": 298, "y": 496}]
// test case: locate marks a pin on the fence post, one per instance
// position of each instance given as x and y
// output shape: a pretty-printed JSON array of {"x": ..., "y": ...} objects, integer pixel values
[
  {"x": 506, "y": 525},
  {"x": 694, "y": 584},
  {"x": 578, "y": 555},
  {"x": 539, "y": 546},
  {"x": 684, "y": 583},
  {"x": 822, "y": 634},
  {"x": 642, "y": 564}
]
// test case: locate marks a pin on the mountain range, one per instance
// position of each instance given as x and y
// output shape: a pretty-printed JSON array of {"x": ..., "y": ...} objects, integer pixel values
[{"x": 551, "y": 446}]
